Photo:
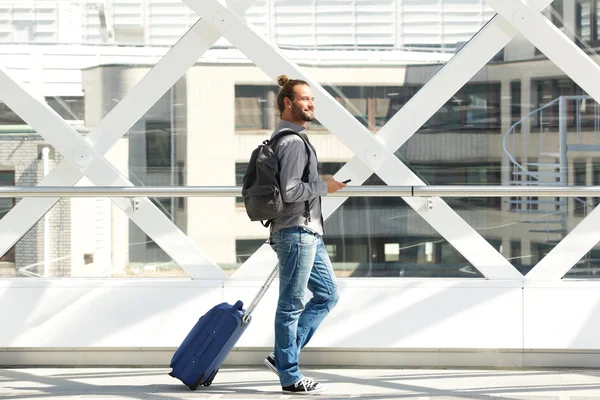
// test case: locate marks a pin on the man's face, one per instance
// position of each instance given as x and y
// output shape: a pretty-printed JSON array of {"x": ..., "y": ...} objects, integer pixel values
[{"x": 303, "y": 105}]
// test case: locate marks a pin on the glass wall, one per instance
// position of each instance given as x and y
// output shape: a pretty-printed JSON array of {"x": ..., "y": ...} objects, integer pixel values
[{"x": 504, "y": 126}]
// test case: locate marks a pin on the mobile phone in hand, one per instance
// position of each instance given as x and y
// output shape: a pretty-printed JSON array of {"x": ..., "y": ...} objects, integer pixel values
[{"x": 347, "y": 180}]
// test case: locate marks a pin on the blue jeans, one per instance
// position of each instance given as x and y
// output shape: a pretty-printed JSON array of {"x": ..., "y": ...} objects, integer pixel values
[{"x": 303, "y": 263}]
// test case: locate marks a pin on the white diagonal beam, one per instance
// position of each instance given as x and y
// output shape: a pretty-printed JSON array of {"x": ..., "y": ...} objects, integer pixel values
[
  {"x": 99, "y": 171},
  {"x": 371, "y": 152},
  {"x": 121, "y": 118},
  {"x": 586, "y": 73}
]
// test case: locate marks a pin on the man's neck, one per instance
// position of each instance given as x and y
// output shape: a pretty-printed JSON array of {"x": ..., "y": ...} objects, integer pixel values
[{"x": 299, "y": 123}]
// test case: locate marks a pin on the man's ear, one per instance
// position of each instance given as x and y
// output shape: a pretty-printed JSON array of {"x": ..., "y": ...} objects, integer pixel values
[{"x": 287, "y": 102}]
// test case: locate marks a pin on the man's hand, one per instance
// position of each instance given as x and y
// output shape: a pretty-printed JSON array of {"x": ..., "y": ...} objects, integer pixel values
[{"x": 333, "y": 185}]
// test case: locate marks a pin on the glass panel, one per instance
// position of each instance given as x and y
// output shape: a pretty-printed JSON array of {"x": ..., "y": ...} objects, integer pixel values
[
  {"x": 504, "y": 127},
  {"x": 90, "y": 237},
  {"x": 70, "y": 108},
  {"x": 154, "y": 156},
  {"x": 586, "y": 173},
  {"x": 579, "y": 20},
  {"x": 384, "y": 237},
  {"x": 369, "y": 236},
  {"x": 372, "y": 59}
]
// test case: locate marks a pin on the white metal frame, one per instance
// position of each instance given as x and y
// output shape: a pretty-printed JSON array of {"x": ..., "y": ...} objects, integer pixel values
[
  {"x": 373, "y": 154},
  {"x": 585, "y": 72},
  {"x": 129, "y": 110}
]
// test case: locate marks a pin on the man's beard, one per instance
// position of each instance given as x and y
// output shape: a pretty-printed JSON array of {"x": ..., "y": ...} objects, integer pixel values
[{"x": 297, "y": 113}]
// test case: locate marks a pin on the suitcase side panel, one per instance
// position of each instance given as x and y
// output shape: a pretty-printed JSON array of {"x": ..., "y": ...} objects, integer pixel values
[
  {"x": 208, "y": 344},
  {"x": 197, "y": 331}
]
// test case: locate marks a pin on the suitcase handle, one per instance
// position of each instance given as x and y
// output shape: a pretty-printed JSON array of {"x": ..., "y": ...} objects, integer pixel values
[
  {"x": 259, "y": 295},
  {"x": 239, "y": 305}
]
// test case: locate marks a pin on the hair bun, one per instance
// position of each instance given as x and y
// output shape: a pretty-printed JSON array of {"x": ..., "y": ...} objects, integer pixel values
[{"x": 282, "y": 80}]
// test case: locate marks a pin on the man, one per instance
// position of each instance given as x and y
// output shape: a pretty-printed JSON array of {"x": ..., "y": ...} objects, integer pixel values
[{"x": 296, "y": 237}]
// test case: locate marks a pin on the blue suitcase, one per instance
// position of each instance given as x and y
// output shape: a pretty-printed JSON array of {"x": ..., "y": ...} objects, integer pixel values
[{"x": 200, "y": 355}]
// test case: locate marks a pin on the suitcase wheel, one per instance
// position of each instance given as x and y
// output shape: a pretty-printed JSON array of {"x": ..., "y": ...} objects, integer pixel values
[
  {"x": 210, "y": 381},
  {"x": 197, "y": 384},
  {"x": 192, "y": 388}
]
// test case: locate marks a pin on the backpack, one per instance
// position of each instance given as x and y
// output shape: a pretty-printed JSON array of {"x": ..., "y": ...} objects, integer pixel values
[{"x": 261, "y": 189}]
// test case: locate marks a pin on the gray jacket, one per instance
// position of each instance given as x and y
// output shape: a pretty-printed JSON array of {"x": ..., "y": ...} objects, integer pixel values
[{"x": 291, "y": 152}]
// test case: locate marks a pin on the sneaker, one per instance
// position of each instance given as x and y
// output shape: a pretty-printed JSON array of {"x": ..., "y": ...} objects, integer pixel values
[
  {"x": 304, "y": 386},
  {"x": 270, "y": 363}
]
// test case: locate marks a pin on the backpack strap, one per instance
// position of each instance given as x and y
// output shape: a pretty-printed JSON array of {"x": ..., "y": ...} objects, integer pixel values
[{"x": 306, "y": 171}]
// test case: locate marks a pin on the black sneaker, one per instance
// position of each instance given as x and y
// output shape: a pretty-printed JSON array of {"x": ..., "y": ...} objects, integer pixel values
[
  {"x": 270, "y": 363},
  {"x": 304, "y": 386}
]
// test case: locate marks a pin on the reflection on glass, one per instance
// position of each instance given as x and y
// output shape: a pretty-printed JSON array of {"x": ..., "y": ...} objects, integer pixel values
[
  {"x": 518, "y": 122},
  {"x": 384, "y": 237},
  {"x": 476, "y": 106},
  {"x": 90, "y": 237},
  {"x": 70, "y": 108}
]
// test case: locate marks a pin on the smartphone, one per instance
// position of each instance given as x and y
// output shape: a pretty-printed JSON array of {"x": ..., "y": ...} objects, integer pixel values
[{"x": 347, "y": 180}]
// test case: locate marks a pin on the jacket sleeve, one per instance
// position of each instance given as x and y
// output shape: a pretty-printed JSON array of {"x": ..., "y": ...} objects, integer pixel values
[{"x": 292, "y": 161}]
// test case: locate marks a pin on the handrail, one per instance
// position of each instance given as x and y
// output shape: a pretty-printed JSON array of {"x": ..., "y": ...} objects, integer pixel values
[
  {"x": 512, "y": 127},
  {"x": 349, "y": 191}
]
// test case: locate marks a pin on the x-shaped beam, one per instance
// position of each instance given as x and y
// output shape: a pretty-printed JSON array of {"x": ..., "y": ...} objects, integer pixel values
[
  {"x": 372, "y": 154},
  {"x": 85, "y": 157},
  {"x": 492, "y": 38},
  {"x": 586, "y": 73},
  {"x": 378, "y": 156}
]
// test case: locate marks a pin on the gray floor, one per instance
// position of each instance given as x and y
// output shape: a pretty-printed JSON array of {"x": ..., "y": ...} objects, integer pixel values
[{"x": 342, "y": 383}]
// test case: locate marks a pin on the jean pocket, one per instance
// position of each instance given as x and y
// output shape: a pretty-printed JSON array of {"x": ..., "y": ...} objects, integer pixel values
[
  {"x": 282, "y": 249},
  {"x": 308, "y": 239}
]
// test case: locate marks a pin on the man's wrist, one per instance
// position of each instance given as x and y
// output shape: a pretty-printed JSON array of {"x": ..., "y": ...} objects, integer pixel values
[{"x": 322, "y": 188}]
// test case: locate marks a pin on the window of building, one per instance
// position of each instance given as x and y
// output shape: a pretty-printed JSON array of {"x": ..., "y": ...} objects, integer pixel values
[
  {"x": 581, "y": 114},
  {"x": 580, "y": 206},
  {"x": 158, "y": 144},
  {"x": 515, "y": 103},
  {"x": 255, "y": 107},
  {"x": 464, "y": 174},
  {"x": 557, "y": 13},
  {"x": 587, "y": 13},
  {"x": 474, "y": 107},
  {"x": 180, "y": 182},
  {"x": 244, "y": 248},
  {"x": 8, "y": 117},
  {"x": 240, "y": 170},
  {"x": 516, "y": 257},
  {"x": 70, "y": 108},
  {"x": 596, "y": 179}
]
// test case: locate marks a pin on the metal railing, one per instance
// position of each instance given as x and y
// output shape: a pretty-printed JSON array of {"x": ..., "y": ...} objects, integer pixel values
[{"x": 349, "y": 191}]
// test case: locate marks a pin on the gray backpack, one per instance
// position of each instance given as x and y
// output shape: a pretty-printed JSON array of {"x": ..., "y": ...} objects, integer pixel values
[{"x": 261, "y": 189}]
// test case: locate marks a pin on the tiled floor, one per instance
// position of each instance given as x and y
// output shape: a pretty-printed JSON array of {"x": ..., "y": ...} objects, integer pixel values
[{"x": 342, "y": 383}]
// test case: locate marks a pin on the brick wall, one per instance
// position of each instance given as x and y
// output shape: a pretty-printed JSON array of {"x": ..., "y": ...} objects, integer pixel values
[{"x": 22, "y": 154}]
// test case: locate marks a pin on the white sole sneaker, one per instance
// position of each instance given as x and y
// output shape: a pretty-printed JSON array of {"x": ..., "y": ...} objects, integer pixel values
[
  {"x": 317, "y": 391},
  {"x": 271, "y": 366}
]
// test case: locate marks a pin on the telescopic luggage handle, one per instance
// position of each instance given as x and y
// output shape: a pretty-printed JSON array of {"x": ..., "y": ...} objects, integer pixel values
[{"x": 260, "y": 295}]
